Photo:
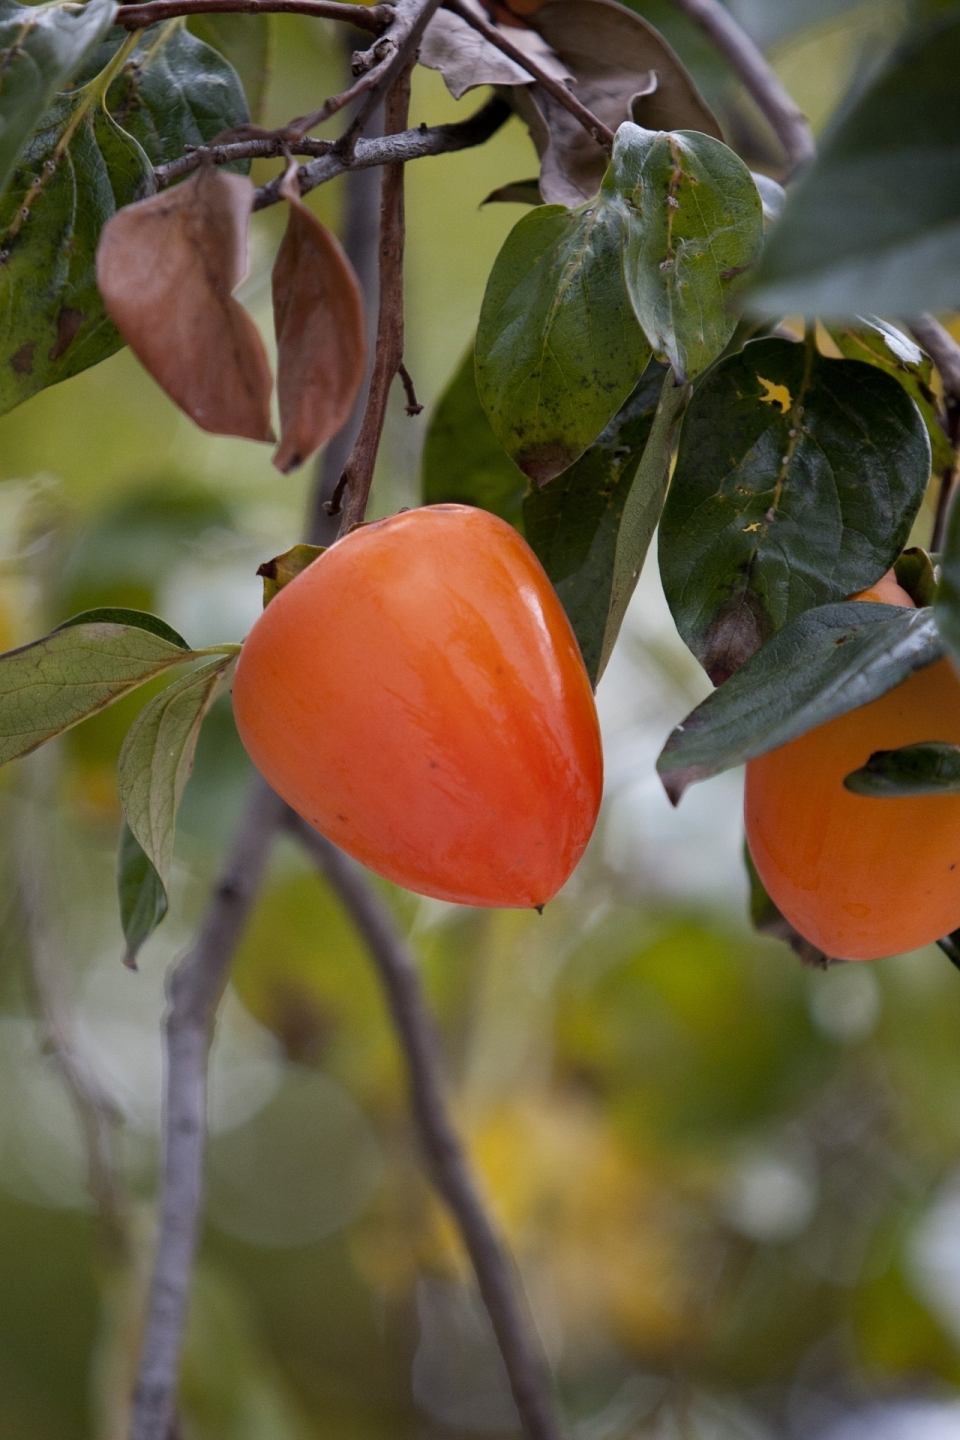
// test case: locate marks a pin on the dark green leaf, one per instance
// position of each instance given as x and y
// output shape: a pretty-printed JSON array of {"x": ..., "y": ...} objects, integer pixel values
[
  {"x": 463, "y": 461},
  {"x": 558, "y": 349},
  {"x": 797, "y": 482},
  {"x": 243, "y": 40},
  {"x": 521, "y": 192},
  {"x": 176, "y": 91},
  {"x": 768, "y": 920},
  {"x": 932, "y": 768},
  {"x": 875, "y": 224},
  {"x": 77, "y": 170},
  {"x": 947, "y": 601},
  {"x": 573, "y": 523},
  {"x": 53, "y": 684},
  {"x": 117, "y": 615},
  {"x": 41, "y": 47},
  {"x": 157, "y": 758},
  {"x": 826, "y": 662},
  {"x": 693, "y": 229},
  {"x": 142, "y": 896},
  {"x": 873, "y": 340}
]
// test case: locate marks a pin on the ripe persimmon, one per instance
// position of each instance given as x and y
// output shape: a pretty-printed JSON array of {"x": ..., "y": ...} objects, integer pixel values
[
  {"x": 860, "y": 877},
  {"x": 417, "y": 694}
]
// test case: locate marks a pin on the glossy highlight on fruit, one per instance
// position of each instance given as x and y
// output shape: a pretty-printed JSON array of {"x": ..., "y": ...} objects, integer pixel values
[
  {"x": 861, "y": 878},
  {"x": 418, "y": 695}
]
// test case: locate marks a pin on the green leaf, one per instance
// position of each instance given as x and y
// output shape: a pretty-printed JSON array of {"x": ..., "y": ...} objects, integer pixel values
[
  {"x": 175, "y": 91},
  {"x": 916, "y": 574},
  {"x": 279, "y": 571},
  {"x": 826, "y": 662},
  {"x": 873, "y": 340},
  {"x": 932, "y": 768},
  {"x": 54, "y": 683},
  {"x": 243, "y": 40},
  {"x": 574, "y": 523},
  {"x": 693, "y": 229},
  {"x": 77, "y": 170},
  {"x": 797, "y": 482},
  {"x": 558, "y": 350},
  {"x": 947, "y": 600},
  {"x": 157, "y": 758},
  {"x": 463, "y": 461},
  {"x": 875, "y": 223},
  {"x": 41, "y": 46},
  {"x": 142, "y": 895},
  {"x": 119, "y": 615}
]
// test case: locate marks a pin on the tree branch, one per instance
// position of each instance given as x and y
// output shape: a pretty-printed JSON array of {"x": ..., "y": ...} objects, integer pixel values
[
  {"x": 374, "y": 18},
  {"x": 357, "y": 474},
  {"x": 447, "y": 1161},
  {"x": 368, "y": 153},
  {"x": 787, "y": 120},
  {"x": 194, "y": 993},
  {"x": 565, "y": 97}
]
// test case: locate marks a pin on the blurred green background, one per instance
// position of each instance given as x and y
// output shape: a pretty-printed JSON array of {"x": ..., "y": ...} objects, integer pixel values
[{"x": 732, "y": 1186}]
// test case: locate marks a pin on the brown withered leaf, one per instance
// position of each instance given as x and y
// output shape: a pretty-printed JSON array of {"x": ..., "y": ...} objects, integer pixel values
[
  {"x": 465, "y": 59},
  {"x": 318, "y": 314},
  {"x": 624, "y": 70},
  {"x": 167, "y": 268}
]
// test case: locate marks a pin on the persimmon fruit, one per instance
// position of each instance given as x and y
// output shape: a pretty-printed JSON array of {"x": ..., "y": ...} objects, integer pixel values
[
  {"x": 417, "y": 694},
  {"x": 861, "y": 878}
]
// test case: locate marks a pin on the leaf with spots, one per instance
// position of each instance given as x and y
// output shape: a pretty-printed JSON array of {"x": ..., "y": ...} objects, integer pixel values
[
  {"x": 75, "y": 173},
  {"x": 693, "y": 232},
  {"x": 797, "y": 481},
  {"x": 41, "y": 47},
  {"x": 558, "y": 347}
]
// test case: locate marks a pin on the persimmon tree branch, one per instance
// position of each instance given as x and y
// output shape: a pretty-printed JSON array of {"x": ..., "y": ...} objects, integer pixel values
[
  {"x": 357, "y": 474},
  {"x": 368, "y": 153},
  {"x": 565, "y": 97},
  {"x": 374, "y": 18},
  {"x": 748, "y": 62},
  {"x": 194, "y": 992},
  {"x": 943, "y": 350},
  {"x": 448, "y": 1164}
]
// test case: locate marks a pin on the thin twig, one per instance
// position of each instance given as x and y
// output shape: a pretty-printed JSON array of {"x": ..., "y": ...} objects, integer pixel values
[
  {"x": 368, "y": 154},
  {"x": 97, "y": 1116},
  {"x": 449, "y": 1166},
  {"x": 943, "y": 350},
  {"x": 391, "y": 54},
  {"x": 413, "y": 404},
  {"x": 358, "y": 471},
  {"x": 945, "y": 354},
  {"x": 374, "y": 18},
  {"x": 787, "y": 120},
  {"x": 194, "y": 993},
  {"x": 593, "y": 126}
]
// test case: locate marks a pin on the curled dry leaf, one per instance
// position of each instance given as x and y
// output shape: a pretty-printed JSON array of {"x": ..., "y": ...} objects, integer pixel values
[
  {"x": 167, "y": 268},
  {"x": 623, "y": 70},
  {"x": 318, "y": 315},
  {"x": 465, "y": 59}
]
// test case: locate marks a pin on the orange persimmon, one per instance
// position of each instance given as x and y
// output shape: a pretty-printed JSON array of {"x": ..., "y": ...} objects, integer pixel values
[
  {"x": 861, "y": 878},
  {"x": 417, "y": 694}
]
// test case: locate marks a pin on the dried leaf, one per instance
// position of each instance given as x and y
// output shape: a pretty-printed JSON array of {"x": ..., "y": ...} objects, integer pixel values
[
  {"x": 465, "y": 59},
  {"x": 624, "y": 70},
  {"x": 318, "y": 314},
  {"x": 519, "y": 192},
  {"x": 166, "y": 269}
]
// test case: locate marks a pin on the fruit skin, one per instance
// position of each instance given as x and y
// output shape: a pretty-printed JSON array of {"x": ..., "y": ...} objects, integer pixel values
[
  {"x": 418, "y": 695},
  {"x": 861, "y": 878}
]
